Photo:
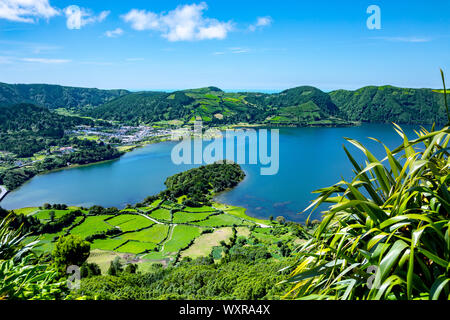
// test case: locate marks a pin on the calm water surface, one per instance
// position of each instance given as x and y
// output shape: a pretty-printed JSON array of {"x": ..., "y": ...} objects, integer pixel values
[{"x": 310, "y": 158}]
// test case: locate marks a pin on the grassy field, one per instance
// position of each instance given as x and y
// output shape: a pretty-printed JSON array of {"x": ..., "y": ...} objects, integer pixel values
[
  {"x": 222, "y": 220},
  {"x": 155, "y": 234},
  {"x": 130, "y": 222},
  {"x": 239, "y": 212},
  {"x": 102, "y": 258},
  {"x": 154, "y": 256},
  {"x": 106, "y": 244},
  {"x": 181, "y": 237},
  {"x": 156, "y": 243},
  {"x": 27, "y": 211},
  {"x": 204, "y": 244},
  {"x": 45, "y": 214},
  {"x": 92, "y": 225},
  {"x": 200, "y": 209},
  {"x": 136, "y": 247},
  {"x": 161, "y": 214},
  {"x": 183, "y": 217}
]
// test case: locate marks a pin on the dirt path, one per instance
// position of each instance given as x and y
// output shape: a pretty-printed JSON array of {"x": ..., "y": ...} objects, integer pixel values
[
  {"x": 149, "y": 218},
  {"x": 172, "y": 227}
]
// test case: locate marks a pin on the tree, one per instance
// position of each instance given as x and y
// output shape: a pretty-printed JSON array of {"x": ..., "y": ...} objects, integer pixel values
[
  {"x": 131, "y": 268},
  {"x": 88, "y": 270},
  {"x": 51, "y": 215},
  {"x": 281, "y": 220},
  {"x": 115, "y": 267},
  {"x": 70, "y": 250}
]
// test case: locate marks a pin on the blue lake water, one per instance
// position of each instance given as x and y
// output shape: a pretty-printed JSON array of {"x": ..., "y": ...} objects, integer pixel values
[{"x": 310, "y": 158}]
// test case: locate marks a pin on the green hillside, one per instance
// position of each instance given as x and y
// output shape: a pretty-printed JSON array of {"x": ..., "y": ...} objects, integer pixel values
[
  {"x": 299, "y": 106},
  {"x": 391, "y": 104},
  {"x": 215, "y": 106},
  {"x": 54, "y": 96},
  {"x": 26, "y": 129}
]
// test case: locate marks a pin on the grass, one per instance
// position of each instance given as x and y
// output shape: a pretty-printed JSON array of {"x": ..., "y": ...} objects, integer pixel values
[
  {"x": 92, "y": 225},
  {"x": 222, "y": 220},
  {"x": 155, "y": 203},
  {"x": 102, "y": 258},
  {"x": 243, "y": 232},
  {"x": 106, "y": 244},
  {"x": 181, "y": 237},
  {"x": 183, "y": 217},
  {"x": 266, "y": 238},
  {"x": 45, "y": 214},
  {"x": 154, "y": 256},
  {"x": 26, "y": 211},
  {"x": 240, "y": 212},
  {"x": 200, "y": 209},
  {"x": 130, "y": 222},
  {"x": 136, "y": 247},
  {"x": 204, "y": 244},
  {"x": 155, "y": 234},
  {"x": 161, "y": 214},
  {"x": 125, "y": 148}
]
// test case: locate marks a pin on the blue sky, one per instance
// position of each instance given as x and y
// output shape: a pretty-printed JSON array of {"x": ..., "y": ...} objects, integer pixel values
[{"x": 245, "y": 44}]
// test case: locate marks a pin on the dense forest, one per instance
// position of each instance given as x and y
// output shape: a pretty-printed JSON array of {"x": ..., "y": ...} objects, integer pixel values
[
  {"x": 26, "y": 129},
  {"x": 391, "y": 104},
  {"x": 198, "y": 183},
  {"x": 54, "y": 96}
]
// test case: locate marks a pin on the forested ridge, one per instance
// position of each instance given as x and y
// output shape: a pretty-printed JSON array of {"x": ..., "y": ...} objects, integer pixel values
[
  {"x": 26, "y": 129},
  {"x": 304, "y": 105},
  {"x": 391, "y": 104},
  {"x": 55, "y": 96}
]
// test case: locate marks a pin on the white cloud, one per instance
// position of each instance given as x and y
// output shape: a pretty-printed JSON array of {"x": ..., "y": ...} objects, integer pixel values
[
  {"x": 142, "y": 20},
  {"x": 261, "y": 22},
  {"x": 28, "y": 11},
  {"x": 79, "y": 17},
  {"x": 45, "y": 61},
  {"x": 114, "y": 33},
  {"x": 185, "y": 23}
]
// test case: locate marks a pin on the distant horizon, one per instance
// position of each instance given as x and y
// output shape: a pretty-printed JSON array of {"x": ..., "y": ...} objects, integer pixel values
[{"x": 256, "y": 90}]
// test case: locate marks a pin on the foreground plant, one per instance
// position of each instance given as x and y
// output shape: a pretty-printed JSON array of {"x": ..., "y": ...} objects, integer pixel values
[
  {"x": 20, "y": 277},
  {"x": 386, "y": 234}
]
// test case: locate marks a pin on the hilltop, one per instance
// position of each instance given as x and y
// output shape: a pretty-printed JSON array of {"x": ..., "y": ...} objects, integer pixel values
[
  {"x": 391, "y": 104},
  {"x": 55, "y": 96},
  {"x": 298, "y": 106},
  {"x": 301, "y": 106}
]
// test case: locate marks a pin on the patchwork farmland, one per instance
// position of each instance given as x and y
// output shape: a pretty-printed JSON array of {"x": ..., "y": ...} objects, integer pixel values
[{"x": 162, "y": 232}]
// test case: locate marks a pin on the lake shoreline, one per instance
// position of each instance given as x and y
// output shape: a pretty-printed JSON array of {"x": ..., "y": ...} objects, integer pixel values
[{"x": 143, "y": 172}]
